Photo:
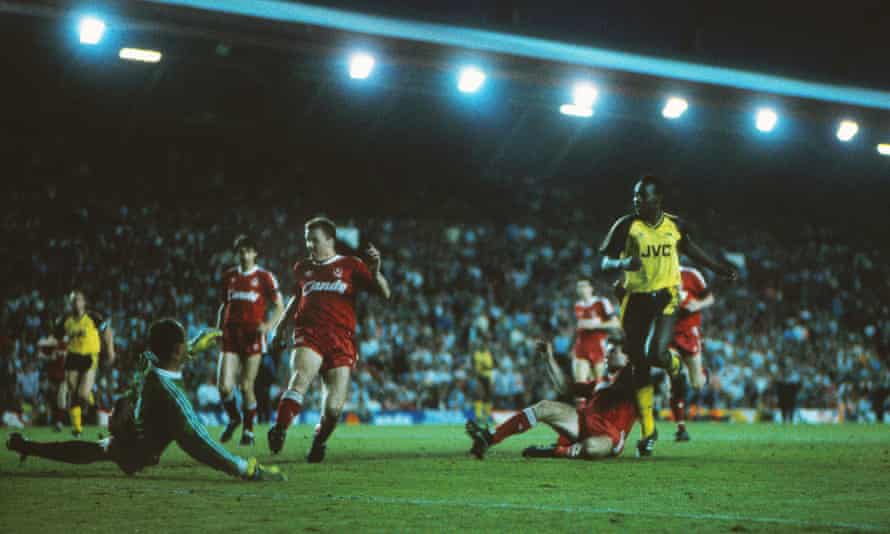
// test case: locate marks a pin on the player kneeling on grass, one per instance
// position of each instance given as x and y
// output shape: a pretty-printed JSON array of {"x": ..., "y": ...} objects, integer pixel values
[
  {"x": 154, "y": 413},
  {"x": 597, "y": 428}
]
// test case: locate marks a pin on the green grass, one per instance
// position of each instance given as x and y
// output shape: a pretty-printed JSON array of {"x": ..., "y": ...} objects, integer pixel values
[{"x": 729, "y": 478}]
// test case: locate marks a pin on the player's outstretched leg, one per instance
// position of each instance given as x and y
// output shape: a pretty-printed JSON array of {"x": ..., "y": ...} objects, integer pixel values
[{"x": 72, "y": 452}]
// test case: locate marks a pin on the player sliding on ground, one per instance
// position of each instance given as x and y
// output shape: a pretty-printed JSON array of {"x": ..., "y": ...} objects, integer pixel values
[
  {"x": 153, "y": 414},
  {"x": 323, "y": 313},
  {"x": 595, "y": 429}
]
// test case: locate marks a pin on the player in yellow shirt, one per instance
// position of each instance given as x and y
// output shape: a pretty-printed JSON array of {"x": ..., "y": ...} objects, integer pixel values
[
  {"x": 483, "y": 366},
  {"x": 84, "y": 332},
  {"x": 646, "y": 244}
]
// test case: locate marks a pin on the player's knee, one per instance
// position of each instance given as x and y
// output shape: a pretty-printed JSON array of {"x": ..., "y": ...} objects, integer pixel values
[{"x": 333, "y": 409}]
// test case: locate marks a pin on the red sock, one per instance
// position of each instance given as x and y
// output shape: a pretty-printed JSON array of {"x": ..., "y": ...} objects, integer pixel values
[
  {"x": 678, "y": 409},
  {"x": 231, "y": 406},
  {"x": 517, "y": 424},
  {"x": 288, "y": 408},
  {"x": 249, "y": 415},
  {"x": 563, "y": 441}
]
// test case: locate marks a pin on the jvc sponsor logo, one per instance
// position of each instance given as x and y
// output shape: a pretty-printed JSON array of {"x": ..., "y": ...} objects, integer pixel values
[{"x": 656, "y": 251}]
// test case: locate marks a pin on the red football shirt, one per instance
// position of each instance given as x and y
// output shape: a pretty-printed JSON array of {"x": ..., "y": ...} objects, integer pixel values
[
  {"x": 595, "y": 308},
  {"x": 693, "y": 288},
  {"x": 327, "y": 291},
  {"x": 246, "y": 295}
]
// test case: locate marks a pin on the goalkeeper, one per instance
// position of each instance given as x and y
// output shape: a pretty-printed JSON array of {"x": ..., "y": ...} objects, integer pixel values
[{"x": 154, "y": 413}]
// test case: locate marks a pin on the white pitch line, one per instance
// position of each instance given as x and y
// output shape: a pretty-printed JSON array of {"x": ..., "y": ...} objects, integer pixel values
[{"x": 533, "y": 507}]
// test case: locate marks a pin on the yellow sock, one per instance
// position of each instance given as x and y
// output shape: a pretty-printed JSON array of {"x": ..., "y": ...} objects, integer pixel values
[
  {"x": 477, "y": 407},
  {"x": 645, "y": 403},
  {"x": 486, "y": 406},
  {"x": 76, "y": 421}
]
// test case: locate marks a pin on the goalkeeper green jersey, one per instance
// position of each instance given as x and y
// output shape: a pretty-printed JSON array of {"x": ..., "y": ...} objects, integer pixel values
[{"x": 163, "y": 414}]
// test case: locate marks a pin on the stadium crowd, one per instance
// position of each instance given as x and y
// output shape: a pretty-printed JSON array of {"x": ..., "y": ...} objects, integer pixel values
[{"x": 811, "y": 308}]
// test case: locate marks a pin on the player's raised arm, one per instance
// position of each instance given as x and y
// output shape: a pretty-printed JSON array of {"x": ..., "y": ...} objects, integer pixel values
[
  {"x": 698, "y": 255},
  {"x": 378, "y": 281}
]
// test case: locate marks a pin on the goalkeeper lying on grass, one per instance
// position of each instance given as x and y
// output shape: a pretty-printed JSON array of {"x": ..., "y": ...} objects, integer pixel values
[
  {"x": 152, "y": 414},
  {"x": 595, "y": 429}
]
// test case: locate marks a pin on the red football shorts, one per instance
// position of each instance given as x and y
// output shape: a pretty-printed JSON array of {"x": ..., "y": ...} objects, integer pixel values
[
  {"x": 592, "y": 424},
  {"x": 243, "y": 340},
  {"x": 335, "y": 346},
  {"x": 590, "y": 348},
  {"x": 688, "y": 341}
]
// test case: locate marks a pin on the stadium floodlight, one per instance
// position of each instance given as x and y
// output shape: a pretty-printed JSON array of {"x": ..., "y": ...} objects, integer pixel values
[
  {"x": 584, "y": 95},
  {"x": 847, "y": 130},
  {"x": 674, "y": 107},
  {"x": 575, "y": 110},
  {"x": 766, "y": 119},
  {"x": 360, "y": 65},
  {"x": 470, "y": 80},
  {"x": 91, "y": 30},
  {"x": 884, "y": 149},
  {"x": 138, "y": 54}
]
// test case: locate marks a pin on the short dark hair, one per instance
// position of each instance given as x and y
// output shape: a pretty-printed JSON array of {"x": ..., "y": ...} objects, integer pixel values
[
  {"x": 648, "y": 179},
  {"x": 326, "y": 225},
  {"x": 163, "y": 336},
  {"x": 244, "y": 241}
]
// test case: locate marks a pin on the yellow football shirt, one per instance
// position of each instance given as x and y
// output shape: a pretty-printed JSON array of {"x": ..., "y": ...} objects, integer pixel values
[{"x": 655, "y": 245}]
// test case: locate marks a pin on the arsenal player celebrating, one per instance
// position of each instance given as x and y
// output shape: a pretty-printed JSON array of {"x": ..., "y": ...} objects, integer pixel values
[
  {"x": 694, "y": 297},
  {"x": 595, "y": 320},
  {"x": 246, "y": 291},
  {"x": 324, "y": 329}
]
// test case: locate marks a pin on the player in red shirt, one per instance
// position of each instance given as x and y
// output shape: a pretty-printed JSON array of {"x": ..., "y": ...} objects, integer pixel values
[
  {"x": 247, "y": 292},
  {"x": 595, "y": 320},
  {"x": 323, "y": 313},
  {"x": 595, "y": 429},
  {"x": 694, "y": 297}
]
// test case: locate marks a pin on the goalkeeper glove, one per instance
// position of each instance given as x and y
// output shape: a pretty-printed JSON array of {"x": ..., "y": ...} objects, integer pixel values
[{"x": 258, "y": 473}]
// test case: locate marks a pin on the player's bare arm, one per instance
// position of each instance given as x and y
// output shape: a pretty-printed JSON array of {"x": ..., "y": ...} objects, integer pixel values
[
  {"x": 380, "y": 282},
  {"x": 108, "y": 338},
  {"x": 282, "y": 326},
  {"x": 696, "y": 305},
  {"x": 275, "y": 317},
  {"x": 698, "y": 255}
]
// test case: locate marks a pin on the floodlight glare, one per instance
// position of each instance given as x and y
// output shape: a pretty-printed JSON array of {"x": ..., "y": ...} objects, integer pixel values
[
  {"x": 884, "y": 149},
  {"x": 847, "y": 130},
  {"x": 766, "y": 119},
  {"x": 584, "y": 95},
  {"x": 674, "y": 108},
  {"x": 575, "y": 110},
  {"x": 138, "y": 54},
  {"x": 360, "y": 66},
  {"x": 470, "y": 80},
  {"x": 91, "y": 30}
]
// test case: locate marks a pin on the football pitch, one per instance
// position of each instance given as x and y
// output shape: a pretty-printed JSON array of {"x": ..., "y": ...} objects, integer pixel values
[{"x": 735, "y": 478}]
